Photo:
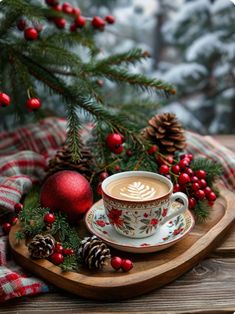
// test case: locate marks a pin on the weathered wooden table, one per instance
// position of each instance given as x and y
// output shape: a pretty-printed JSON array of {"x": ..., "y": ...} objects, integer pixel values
[{"x": 207, "y": 288}]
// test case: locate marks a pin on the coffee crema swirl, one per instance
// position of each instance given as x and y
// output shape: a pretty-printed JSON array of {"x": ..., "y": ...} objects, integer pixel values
[{"x": 137, "y": 188}]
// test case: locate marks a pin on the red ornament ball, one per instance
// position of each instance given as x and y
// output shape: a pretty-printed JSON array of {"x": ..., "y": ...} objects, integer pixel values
[
  {"x": 110, "y": 19},
  {"x": 127, "y": 265},
  {"x": 33, "y": 104},
  {"x": 6, "y": 227},
  {"x": 67, "y": 191},
  {"x": 57, "y": 258},
  {"x": 31, "y": 33},
  {"x": 80, "y": 21},
  {"x": 49, "y": 218},
  {"x": 98, "y": 22},
  {"x": 5, "y": 100},
  {"x": 116, "y": 262}
]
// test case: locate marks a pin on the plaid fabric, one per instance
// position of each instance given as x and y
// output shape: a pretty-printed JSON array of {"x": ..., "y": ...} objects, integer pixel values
[{"x": 23, "y": 156}]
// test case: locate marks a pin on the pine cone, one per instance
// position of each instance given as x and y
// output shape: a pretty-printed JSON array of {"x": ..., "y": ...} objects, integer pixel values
[
  {"x": 93, "y": 252},
  {"x": 41, "y": 246},
  {"x": 166, "y": 132},
  {"x": 63, "y": 161}
]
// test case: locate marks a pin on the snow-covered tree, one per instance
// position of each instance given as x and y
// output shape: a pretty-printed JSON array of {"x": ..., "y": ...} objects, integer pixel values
[{"x": 203, "y": 32}]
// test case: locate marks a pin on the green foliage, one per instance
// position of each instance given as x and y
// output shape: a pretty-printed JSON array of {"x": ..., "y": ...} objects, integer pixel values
[
  {"x": 202, "y": 211},
  {"x": 213, "y": 169}
]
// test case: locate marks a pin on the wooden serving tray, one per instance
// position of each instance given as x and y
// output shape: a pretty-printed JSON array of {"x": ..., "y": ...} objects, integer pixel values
[{"x": 151, "y": 270}]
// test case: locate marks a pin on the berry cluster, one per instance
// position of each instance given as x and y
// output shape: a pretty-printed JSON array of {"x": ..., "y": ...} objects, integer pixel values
[
  {"x": 30, "y": 32},
  {"x": 115, "y": 142},
  {"x": 32, "y": 104},
  {"x": 57, "y": 257},
  {"x": 186, "y": 180},
  {"x": 6, "y": 226},
  {"x": 119, "y": 263}
]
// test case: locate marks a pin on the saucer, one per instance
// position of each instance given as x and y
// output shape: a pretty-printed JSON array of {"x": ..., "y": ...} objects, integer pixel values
[{"x": 167, "y": 235}]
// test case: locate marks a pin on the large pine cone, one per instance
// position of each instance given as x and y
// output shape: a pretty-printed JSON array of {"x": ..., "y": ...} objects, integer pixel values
[
  {"x": 93, "y": 252},
  {"x": 41, "y": 246},
  {"x": 63, "y": 161},
  {"x": 166, "y": 132}
]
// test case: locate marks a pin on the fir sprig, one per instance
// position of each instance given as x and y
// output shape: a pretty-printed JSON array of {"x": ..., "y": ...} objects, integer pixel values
[{"x": 213, "y": 169}]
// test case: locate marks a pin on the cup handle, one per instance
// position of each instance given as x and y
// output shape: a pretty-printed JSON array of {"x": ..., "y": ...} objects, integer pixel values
[{"x": 175, "y": 212}]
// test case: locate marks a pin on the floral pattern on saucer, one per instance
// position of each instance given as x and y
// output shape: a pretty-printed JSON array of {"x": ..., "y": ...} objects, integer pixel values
[{"x": 171, "y": 232}]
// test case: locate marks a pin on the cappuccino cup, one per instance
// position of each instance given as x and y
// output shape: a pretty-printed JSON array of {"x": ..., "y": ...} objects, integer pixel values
[{"x": 137, "y": 203}]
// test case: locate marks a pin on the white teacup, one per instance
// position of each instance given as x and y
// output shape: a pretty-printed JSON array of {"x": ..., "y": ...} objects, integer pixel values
[{"x": 137, "y": 209}]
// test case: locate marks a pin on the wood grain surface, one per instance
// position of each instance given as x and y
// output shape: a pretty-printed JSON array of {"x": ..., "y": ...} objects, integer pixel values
[{"x": 208, "y": 288}]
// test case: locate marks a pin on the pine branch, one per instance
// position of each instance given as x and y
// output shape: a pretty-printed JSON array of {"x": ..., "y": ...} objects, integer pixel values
[
  {"x": 70, "y": 263},
  {"x": 213, "y": 169},
  {"x": 202, "y": 211}
]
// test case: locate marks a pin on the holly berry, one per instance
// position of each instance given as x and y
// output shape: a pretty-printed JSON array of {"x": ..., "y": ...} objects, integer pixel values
[
  {"x": 110, "y": 19},
  {"x": 60, "y": 22},
  {"x": 194, "y": 179},
  {"x": 116, "y": 262},
  {"x": 183, "y": 163},
  {"x": 99, "y": 189},
  {"x": 164, "y": 169},
  {"x": 207, "y": 190},
  {"x": 18, "y": 207},
  {"x": 57, "y": 258},
  {"x": 176, "y": 188},
  {"x": 211, "y": 196},
  {"x": 68, "y": 252},
  {"x": 49, "y": 218},
  {"x": 103, "y": 176},
  {"x": 170, "y": 159},
  {"x": 201, "y": 174},
  {"x": 58, "y": 248},
  {"x": 57, "y": 8},
  {"x": 202, "y": 183},
  {"x": 117, "y": 168},
  {"x": 129, "y": 152},
  {"x": 76, "y": 11},
  {"x": 200, "y": 194},
  {"x": 100, "y": 83},
  {"x": 52, "y": 2},
  {"x": 67, "y": 8},
  {"x": 152, "y": 149},
  {"x": 114, "y": 139},
  {"x": 192, "y": 202},
  {"x": 80, "y": 21},
  {"x": 183, "y": 178},
  {"x": 6, "y": 227},
  {"x": 189, "y": 171},
  {"x": 33, "y": 104},
  {"x": 31, "y": 33},
  {"x": 195, "y": 186},
  {"x": 117, "y": 149},
  {"x": 13, "y": 221},
  {"x": 73, "y": 27},
  {"x": 190, "y": 157},
  {"x": 21, "y": 25},
  {"x": 5, "y": 100},
  {"x": 210, "y": 203},
  {"x": 175, "y": 169},
  {"x": 98, "y": 22},
  {"x": 127, "y": 265}
]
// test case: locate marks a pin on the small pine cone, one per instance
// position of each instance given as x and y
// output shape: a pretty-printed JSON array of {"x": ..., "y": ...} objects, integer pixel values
[
  {"x": 166, "y": 132},
  {"x": 41, "y": 246},
  {"x": 63, "y": 161},
  {"x": 93, "y": 252}
]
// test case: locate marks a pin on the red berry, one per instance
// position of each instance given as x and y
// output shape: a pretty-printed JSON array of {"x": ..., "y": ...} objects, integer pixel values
[
  {"x": 202, "y": 183},
  {"x": 31, "y": 33},
  {"x": 21, "y": 24},
  {"x": 183, "y": 178},
  {"x": 189, "y": 171},
  {"x": 60, "y": 22},
  {"x": 33, "y": 104},
  {"x": 117, "y": 149},
  {"x": 190, "y": 157},
  {"x": 116, "y": 262},
  {"x": 210, "y": 203},
  {"x": 211, "y": 196},
  {"x": 99, "y": 189},
  {"x": 117, "y": 168},
  {"x": 152, "y": 149},
  {"x": 52, "y": 2},
  {"x": 103, "y": 176},
  {"x": 183, "y": 156},
  {"x": 80, "y": 21},
  {"x": 207, "y": 190},
  {"x": 5, "y": 100},
  {"x": 57, "y": 258},
  {"x": 176, "y": 188},
  {"x": 194, "y": 179},
  {"x": 18, "y": 207},
  {"x": 195, "y": 186},
  {"x": 192, "y": 202},
  {"x": 6, "y": 227},
  {"x": 170, "y": 159},
  {"x": 73, "y": 27},
  {"x": 13, "y": 221},
  {"x": 126, "y": 265},
  {"x": 113, "y": 139},
  {"x": 129, "y": 152},
  {"x": 97, "y": 22},
  {"x": 57, "y": 8},
  {"x": 164, "y": 169},
  {"x": 76, "y": 11},
  {"x": 183, "y": 163},
  {"x": 175, "y": 169},
  {"x": 68, "y": 252},
  {"x": 110, "y": 19},
  {"x": 67, "y": 8},
  {"x": 58, "y": 247},
  {"x": 49, "y": 218},
  {"x": 200, "y": 194},
  {"x": 201, "y": 174}
]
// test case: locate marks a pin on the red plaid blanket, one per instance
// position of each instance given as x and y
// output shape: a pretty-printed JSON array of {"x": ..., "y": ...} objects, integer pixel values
[{"x": 23, "y": 156}]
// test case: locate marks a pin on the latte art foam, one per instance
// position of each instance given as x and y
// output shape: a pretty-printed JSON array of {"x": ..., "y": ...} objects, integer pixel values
[{"x": 137, "y": 188}]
